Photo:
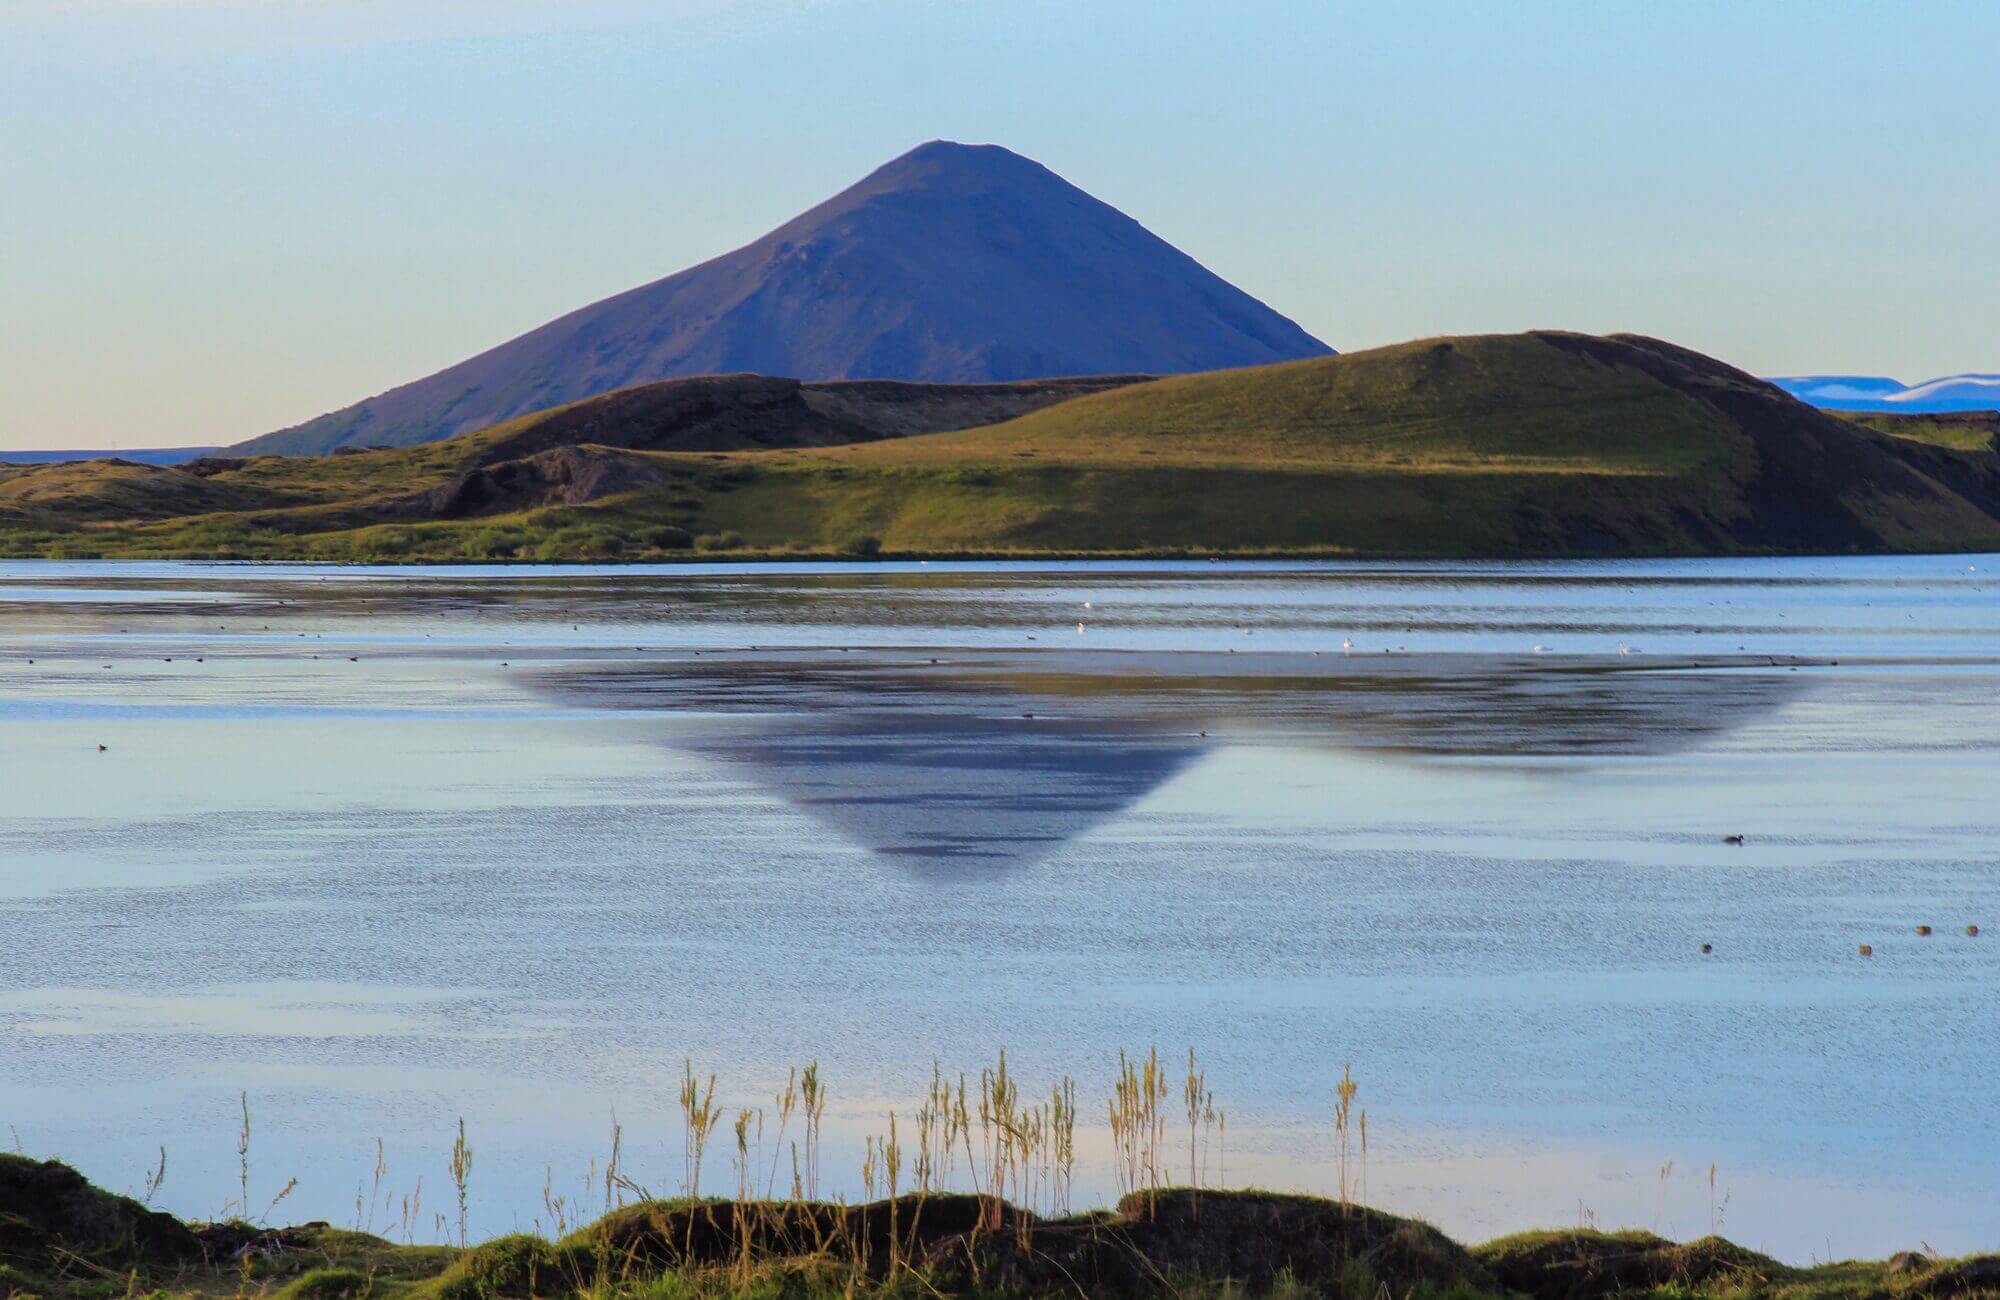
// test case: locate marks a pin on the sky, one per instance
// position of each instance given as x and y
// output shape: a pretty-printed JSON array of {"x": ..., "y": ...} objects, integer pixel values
[{"x": 221, "y": 217}]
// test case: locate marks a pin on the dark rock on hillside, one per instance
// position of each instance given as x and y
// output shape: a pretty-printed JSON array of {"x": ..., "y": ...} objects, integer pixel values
[
  {"x": 209, "y": 466},
  {"x": 49, "y": 1212},
  {"x": 1906, "y": 1263},
  {"x": 951, "y": 264},
  {"x": 567, "y": 476}
]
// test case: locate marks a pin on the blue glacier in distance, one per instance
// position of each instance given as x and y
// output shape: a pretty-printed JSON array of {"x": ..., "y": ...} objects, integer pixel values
[{"x": 1874, "y": 393}]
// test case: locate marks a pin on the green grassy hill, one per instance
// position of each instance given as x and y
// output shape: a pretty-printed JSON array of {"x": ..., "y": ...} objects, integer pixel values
[
  {"x": 1531, "y": 444},
  {"x": 1965, "y": 430}
]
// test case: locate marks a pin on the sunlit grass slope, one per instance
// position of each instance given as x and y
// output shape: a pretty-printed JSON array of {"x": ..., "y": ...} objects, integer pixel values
[{"x": 1483, "y": 406}]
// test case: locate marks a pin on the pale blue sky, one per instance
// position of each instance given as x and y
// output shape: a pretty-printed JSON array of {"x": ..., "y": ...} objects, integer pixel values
[{"x": 218, "y": 217}]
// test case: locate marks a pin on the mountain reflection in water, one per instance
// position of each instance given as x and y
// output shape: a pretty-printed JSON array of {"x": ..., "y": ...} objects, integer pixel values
[{"x": 998, "y": 758}]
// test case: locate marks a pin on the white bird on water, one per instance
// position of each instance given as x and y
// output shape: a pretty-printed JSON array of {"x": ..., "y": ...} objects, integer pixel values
[
  {"x": 1347, "y": 645},
  {"x": 1624, "y": 649},
  {"x": 1538, "y": 649},
  {"x": 1079, "y": 629}
]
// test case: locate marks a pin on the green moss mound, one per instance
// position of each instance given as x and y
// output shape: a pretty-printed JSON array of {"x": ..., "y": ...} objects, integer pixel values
[
  {"x": 1977, "y": 1275},
  {"x": 51, "y": 1218},
  {"x": 1266, "y": 1242},
  {"x": 1586, "y": 1265},
  {"x": 330, "y": 1284},
  {"x": 657, "y": 1235},
  {"x": 520, "y": 1266}
]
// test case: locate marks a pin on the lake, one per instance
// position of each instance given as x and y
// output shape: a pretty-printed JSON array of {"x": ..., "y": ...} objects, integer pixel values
[{"x": 379, "y": 849}]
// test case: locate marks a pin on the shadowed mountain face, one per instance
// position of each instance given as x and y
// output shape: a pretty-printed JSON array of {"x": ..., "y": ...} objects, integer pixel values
[{"x": 954, "y": 264}]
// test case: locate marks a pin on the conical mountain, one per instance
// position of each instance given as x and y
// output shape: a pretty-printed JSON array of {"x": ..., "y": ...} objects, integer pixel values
[{"x": 952, "y": 264}]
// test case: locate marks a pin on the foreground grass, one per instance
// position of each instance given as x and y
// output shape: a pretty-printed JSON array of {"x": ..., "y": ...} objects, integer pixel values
[{"x": 63, "y": 1240}]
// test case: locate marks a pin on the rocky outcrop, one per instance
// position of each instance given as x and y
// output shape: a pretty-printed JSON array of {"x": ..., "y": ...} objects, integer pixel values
[{"x": 568, "y": 476}]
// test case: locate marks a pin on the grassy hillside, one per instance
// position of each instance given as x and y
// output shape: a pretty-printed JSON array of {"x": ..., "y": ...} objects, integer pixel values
[
  {"x": 1531, "y": 444},
  {"x": 1962, "y": 430}
]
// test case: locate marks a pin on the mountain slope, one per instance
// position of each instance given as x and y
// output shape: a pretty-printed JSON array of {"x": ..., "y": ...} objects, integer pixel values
[{"x": 951, "y": 264}]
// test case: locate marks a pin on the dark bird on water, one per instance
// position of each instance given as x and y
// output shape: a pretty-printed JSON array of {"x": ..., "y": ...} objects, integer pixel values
[{"x": 1732, "y": 839}]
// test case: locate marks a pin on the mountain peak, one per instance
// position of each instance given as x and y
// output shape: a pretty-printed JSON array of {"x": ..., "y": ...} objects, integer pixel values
[
  {"x": 955, "y": 151},
  {"x": 951, "y": 155},
  {"x": 953, "y": 263}
]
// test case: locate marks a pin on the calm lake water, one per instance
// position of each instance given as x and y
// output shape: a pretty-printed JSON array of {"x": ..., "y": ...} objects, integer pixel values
[{"x": 385, "y": 848}]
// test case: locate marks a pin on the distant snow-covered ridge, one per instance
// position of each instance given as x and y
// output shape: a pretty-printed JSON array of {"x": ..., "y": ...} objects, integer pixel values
[{"x": 1873, "y": 393}]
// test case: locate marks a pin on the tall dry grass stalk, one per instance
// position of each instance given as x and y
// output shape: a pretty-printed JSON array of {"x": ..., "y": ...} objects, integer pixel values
[
  {"x": 786, "y": 1101},
  {"x": 983, "y": 1134},
  {"x": 699, "y": 1116},
  {"x": 1343, "y": 1110},
  {"x": 154, "y": 1178},
  {"x": 1194, "y": 1091},
  {"x": 413, "y": 1211},
  {"x": 1062, "y": 1133},
  {"x": 1138, "y": 1124},
  {"x": 812, "y": 1092},
  {"x": 613, "y": 1194},
  {"x": 243, "y": 1161},
  {"x": 461, "y": 1176}
]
